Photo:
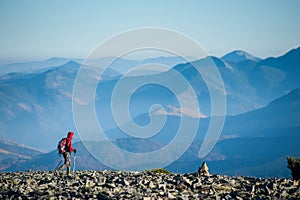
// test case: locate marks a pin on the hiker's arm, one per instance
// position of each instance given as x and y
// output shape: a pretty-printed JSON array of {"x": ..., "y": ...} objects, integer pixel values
[{"x": 71, "y": 147}]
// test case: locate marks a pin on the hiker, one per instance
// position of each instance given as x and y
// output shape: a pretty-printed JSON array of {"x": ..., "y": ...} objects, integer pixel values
[{"x": 65, "y": 148}]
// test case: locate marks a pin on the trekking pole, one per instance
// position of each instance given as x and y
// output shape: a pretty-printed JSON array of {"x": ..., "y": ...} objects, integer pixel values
[
  {"x": 59, "y": 163},
  {"x": 74, "y": 163}
]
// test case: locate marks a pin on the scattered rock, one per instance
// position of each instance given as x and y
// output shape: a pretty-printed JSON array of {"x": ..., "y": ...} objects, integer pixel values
[{"x": 141, "y": 185}]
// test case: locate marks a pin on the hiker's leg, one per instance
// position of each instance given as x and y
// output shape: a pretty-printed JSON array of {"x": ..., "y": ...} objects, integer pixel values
[
  {"x": 60, "y": 168},
  {"x": 68, "y": 162},
  {"x": 65, "y": 162}
]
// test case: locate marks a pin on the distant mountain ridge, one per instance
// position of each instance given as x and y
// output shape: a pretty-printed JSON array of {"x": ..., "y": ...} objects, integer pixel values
[
  {"x": 32, "y": 66},
  {"x": 248, "y": 145},
  {"x": 262, "y": 108},
  {"x": 288, "y": 62},
  {"x": 119, "y": 65},
  {"x": 37, "y": 103},
  {"x": 238, "y": 56}
]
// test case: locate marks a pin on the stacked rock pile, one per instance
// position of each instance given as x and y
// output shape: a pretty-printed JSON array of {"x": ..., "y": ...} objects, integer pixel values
[{"x": 141, "y": 185}]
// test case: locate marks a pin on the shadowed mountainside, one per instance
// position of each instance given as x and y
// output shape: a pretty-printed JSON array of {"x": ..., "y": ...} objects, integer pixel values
[{"x": 12, "y": 153}]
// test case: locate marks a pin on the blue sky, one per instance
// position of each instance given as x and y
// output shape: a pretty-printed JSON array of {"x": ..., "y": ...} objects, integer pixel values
[{"x": 41, "y": 29}]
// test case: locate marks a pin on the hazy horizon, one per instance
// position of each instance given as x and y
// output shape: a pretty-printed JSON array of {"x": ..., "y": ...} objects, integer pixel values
[{"x": 130, "y": 57}]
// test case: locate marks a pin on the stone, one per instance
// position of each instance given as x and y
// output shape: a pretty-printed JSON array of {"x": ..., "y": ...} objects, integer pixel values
[
  {"x": 126, "y": 182},
  {"x": 238, "y": 198},
  {"x": 90, "y": 184},
  {"x": 188, "y": 182},
  {"x": 162, "y": 187},
  {"x": 171, "y": 196}
]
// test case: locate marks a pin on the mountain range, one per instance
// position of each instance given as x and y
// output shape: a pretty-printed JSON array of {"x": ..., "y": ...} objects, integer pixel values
[
  {"x": 250, "y": 147},
  {"x": 262, "y": 110}
]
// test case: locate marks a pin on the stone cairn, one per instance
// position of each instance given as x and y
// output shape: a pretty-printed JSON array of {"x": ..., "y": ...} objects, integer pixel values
[
  {"x": 142, "y": 185},
  {"x": 203, "y": 170}
]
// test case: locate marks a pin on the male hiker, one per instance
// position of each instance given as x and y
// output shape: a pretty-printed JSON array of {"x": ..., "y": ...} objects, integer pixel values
[{"x": 65, "y": 148}]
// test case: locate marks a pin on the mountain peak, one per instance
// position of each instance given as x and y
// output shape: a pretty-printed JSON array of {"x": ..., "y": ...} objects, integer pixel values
[
  {"x": 239, "y": 55},
  {"x": 57, "y": 59},
  {"x": 71, "y": 62}
]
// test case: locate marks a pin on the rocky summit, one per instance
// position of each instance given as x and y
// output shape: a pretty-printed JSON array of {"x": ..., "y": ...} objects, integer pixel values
[{"x": 141, "y": 185}]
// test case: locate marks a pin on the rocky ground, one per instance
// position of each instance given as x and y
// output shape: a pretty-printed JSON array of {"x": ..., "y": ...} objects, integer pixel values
[{"x": 141, "y": 185}]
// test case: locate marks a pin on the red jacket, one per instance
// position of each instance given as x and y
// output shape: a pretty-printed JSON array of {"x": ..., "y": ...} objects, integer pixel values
[{"x": 69, "y": 147}]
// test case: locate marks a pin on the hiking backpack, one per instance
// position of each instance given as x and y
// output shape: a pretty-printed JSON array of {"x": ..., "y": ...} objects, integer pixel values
[{"x": 61, "y": 147}]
